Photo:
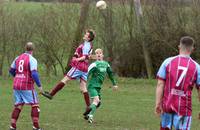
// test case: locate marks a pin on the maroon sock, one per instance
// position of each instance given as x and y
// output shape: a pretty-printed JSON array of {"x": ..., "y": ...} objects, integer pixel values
[
  {"x": 161, "y": 128},
  {"x": 14, "y": 116},
  {"x": 35, "y": 116},
  {"x": 87, "y": 98},
  {"x": 57, "y": 88}
]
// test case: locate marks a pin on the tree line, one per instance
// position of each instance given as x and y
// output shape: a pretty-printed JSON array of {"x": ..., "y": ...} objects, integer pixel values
[{"x": 57, "y": 29}]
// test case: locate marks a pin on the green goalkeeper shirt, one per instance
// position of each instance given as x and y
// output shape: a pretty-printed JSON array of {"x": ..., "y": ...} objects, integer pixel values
[{"x": 97, "y": 72}]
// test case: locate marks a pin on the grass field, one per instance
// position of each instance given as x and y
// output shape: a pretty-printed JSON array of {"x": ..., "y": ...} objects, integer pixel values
[{"x": 131, "y": 108}]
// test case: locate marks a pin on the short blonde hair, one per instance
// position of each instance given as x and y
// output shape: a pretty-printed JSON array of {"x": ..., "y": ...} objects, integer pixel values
[{"x": 98, "y": 50}]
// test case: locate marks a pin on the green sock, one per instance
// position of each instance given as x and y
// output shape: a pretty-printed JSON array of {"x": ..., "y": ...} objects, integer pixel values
[{"x": 93, "y": 107}]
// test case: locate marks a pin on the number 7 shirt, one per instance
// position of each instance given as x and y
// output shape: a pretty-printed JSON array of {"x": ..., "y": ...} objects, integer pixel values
[
  {"x": 23, "y": 65},
  {"x": 180, "y": 73}
]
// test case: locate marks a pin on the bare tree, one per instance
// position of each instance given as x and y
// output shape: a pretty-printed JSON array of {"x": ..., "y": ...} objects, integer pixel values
[
  {"x": 109, "y": 32},
  {"x": 141, "y": 27},
  {"x": 3, "y": 41},
  {"x": 4, "y": 37}
]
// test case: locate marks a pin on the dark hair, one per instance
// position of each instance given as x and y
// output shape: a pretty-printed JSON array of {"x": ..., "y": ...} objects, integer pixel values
[
  {"x": 187, "y": 41},
  {"x": 92, "y": 34},
  {"x": 29, "y": 46}
]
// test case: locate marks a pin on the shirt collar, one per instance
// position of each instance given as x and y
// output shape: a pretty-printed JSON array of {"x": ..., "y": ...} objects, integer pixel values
[
  {"x": 86, "y": 42},
  {"x": 29, "y": 52},
  {"x": 186, "y": 56}
]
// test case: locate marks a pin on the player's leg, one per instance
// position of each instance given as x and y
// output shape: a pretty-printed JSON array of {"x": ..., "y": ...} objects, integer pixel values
[
  {"x": 182, "y": 122},
  {"x": 56, "y": 89},
  {"x": 17, "y": 108},
  {"x": 93, "y": 108},
  {"x": 30, "y": 97},
  {"x": 14, "y": 116},
  {"x": 84, "y": 91},
  {"x": 166, "y": 121},
  {"x": 61, "y": 84},
  {"x": 35, "y": 112},
  {"x": 99, "y": 94},
  {"x": 94, "y": 104},
  {"x": 92, "y": 93},
  {"x": 83, "y": 88}
]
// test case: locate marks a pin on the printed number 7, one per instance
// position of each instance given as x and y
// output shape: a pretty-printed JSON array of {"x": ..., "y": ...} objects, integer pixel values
[{"x": 182, "y": 74}]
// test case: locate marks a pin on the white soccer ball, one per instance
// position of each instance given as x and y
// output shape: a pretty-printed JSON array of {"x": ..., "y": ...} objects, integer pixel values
[{"x": 101, "y": 4}]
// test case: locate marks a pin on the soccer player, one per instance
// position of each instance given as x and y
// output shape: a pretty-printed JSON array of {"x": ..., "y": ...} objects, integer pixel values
[
  {"x": 176, "y": 77},
  {"x": 79, "y": 67},
  {"x": 97, "y": 72},
  {"x": 24, "y": 71}
]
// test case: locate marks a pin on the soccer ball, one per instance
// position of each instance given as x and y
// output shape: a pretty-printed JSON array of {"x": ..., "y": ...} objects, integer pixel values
[{"x": 101, "y": 4}]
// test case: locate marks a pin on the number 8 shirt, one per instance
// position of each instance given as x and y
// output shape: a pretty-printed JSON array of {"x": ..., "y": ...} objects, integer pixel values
[
  {"x": 24, "y": 64},
  {"x": 180, "y": 73}
]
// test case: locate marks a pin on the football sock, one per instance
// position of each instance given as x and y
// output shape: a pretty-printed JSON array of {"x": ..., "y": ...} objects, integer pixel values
[
  {"x": 99, "y": 104},
  {"x": 35, "y": 116},
  {"x": 93, "y": 107},
  {"x": 87, "y": 98},
  {"x": 164, "y": 128},
  {"x": 14, "y": 116},
  {"x": 57, "y": 88},
  {"x": 87, "y": 111}
]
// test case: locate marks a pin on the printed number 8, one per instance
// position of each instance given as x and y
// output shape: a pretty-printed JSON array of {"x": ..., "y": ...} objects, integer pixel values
[{"x": 21, "y": 66}]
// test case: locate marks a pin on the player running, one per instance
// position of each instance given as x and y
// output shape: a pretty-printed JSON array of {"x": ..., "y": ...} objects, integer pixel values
[
  {"x": 97, "y": 72},
  {"x": 79, "y": 67},
  {"x": 176, "y": 78},
  {"x": 24, "y": 71}
]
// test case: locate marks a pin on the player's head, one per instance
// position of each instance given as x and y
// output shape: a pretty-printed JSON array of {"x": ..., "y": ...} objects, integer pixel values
[
  {"x": 89, "y": 35},
  {"x": 186, "y": 44},
  {"x": 29, "y": 46},
  {"x": 99, "y": 54}
]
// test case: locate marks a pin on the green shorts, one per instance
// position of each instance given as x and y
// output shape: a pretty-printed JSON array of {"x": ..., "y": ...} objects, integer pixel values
[{"x": 94, "y": 92}]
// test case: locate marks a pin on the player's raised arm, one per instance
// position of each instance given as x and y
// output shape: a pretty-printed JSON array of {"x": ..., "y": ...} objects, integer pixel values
[
  {"x": 86, "y": 52},
  {"x": 92, "y": 57},
  {"x": 87, "y": 46}
]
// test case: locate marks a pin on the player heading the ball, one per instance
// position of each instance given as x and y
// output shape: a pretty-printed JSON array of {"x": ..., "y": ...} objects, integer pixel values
[{"x": 79, "y": 67}]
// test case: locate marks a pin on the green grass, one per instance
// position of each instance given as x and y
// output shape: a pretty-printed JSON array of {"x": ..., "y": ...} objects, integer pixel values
[{"x": 131, "y": 108}]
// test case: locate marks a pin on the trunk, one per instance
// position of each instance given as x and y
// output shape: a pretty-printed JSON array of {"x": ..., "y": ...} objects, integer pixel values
[
  {"x": 56, "y": 57},
  {"x": 109, "y": 37},
  {"x": 2, "y": 58},
  {"x": 55, "y": 70},
  {"x": 148, "y": 62},
  {"x": 48, "y": 69},
  {"x": 81, "y": 25},
  {"x": 3, "y": 53},
  {"x": 60, "y": 63},
  {"x": 147, "y": 57}
]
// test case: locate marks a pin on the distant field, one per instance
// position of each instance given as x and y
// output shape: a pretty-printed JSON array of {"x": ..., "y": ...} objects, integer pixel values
[{"x": 131, "y": 108}]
